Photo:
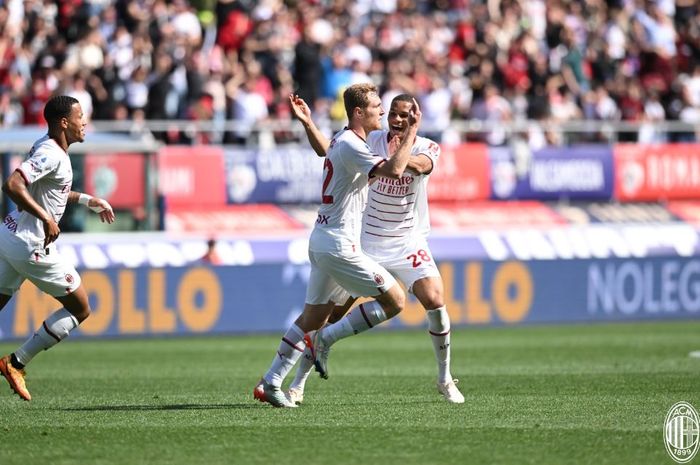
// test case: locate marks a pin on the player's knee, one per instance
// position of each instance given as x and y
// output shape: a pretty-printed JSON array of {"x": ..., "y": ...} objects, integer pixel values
[
  {"x": 395, "y": 305},
  {"x": 308, "y": 322},
  {"x": 80, "y": 310},
  {"x": 433, "y": 300},
  {"x": 429, "y": 294},
  {"x": 83, "y": 314},
  {"x": 339, "y": 311}
]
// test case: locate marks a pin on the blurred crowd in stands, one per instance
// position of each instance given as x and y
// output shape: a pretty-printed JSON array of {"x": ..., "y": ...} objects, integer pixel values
[{"x": 491, "y": 60}]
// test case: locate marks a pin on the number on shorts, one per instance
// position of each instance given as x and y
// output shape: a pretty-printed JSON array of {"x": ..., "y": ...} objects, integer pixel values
[
  {"x": 419, "y": 257},
  {"x": 327, "y": 165}
]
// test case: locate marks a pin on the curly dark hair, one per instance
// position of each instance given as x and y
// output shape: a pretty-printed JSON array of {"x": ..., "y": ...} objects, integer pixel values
[{"x": 58, "y": 107}]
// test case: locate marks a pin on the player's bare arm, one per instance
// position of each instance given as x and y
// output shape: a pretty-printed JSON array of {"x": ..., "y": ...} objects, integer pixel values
[
  {"x": 15, "y": 187},
  {"x": 302, "y": 112},
  {"x": 96, "y": 204},
  {"x": 420, "y": 163},
  {"x": 396, "y": 164}
]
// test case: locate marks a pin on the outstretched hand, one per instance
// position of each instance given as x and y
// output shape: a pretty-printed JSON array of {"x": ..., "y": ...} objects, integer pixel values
[
  {"x": 300, "y": 109},
  {"x": 103, "y": 208}
]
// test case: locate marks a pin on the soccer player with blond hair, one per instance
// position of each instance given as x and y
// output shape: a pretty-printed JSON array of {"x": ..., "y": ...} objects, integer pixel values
[
  {"x": 338, "y": 263},
  {"x": 395, "y": 228}
]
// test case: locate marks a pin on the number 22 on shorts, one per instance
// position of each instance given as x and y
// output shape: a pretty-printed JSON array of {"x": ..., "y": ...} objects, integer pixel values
[{"x": 418, "y": 258}]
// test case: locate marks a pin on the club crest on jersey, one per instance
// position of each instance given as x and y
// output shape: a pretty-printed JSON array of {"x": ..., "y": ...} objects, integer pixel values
[
  {"x": 378, "y": 279},
  {"x": 434, "y": 149},
  {"x": 37, "y": 164},
  {"x": 69, "y": 278}
]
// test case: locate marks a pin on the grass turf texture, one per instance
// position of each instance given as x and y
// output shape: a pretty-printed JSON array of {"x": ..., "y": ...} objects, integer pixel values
[{"x": 541, "y": 395}]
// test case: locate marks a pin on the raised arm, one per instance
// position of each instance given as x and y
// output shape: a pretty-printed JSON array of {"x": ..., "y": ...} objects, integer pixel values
[
  {"x": 301, "y": 111},
  {"x": 397, "y": 163}
]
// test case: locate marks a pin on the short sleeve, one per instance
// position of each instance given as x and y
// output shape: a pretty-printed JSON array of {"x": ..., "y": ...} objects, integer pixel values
[
  {"x": 358, "y": 157},
  {"x": 38, "y": 165},
  {"x": 430, "y": 149}
]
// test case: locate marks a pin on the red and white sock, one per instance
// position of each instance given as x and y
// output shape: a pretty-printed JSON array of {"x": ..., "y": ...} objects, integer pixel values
[
  {"x": 439, "y": 329},
  {"x": 52, "y": 331},
  {"x": 290, "y": 349},
  {"x": 306, "y": 365},
  {"x": 364, "y": 317}
]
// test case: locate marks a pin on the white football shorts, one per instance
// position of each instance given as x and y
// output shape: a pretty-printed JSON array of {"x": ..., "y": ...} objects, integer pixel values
[
  {"x": 415, "y": 261},
  {"x": 48, "y": 271},
  {"x": 337, "y": 276}
]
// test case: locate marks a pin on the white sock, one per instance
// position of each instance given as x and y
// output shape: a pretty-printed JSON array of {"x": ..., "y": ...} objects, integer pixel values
[
  {"x": 364, "y": 317},
  {"x": 439, "y": 329},
  {"x": 288, "y": 352},
  {"x": 52, "y": 331},
  {"x": 306, "y": 365}
]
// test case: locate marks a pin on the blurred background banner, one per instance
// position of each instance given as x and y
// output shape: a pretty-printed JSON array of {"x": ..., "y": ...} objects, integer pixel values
[
  {"x": 552, "y": 173},
  {"x": 275, "y": 175},
  {"x": 245, "y": 220},
  {"x": 277, "y": 239},
  {"x": 461, "y": 174},
  {"x": 147, "y": 301},
  {"x": 479, "y": 215},
  {"x": 653, "y": 172},
  {"x": 119, "y": 178},
  {"x": 191, "y": 177}
]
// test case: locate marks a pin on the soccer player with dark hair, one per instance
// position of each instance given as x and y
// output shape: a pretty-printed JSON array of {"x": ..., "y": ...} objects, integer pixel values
[{"x": 41, "y": 188}]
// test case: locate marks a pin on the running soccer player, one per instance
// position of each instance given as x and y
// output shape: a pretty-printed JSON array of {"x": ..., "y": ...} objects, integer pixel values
[
  {"x": 395, "y": 228},
  {"x": 337, "y": 260},
  {"x": 41, "y": 188}
]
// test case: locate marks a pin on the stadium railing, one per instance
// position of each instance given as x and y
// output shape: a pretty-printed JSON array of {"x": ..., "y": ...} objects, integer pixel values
[{"x": 569, "y": 132}]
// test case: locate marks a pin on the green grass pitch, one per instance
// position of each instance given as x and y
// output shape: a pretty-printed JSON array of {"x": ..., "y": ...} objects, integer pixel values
[{"x": 579, "y": 394}]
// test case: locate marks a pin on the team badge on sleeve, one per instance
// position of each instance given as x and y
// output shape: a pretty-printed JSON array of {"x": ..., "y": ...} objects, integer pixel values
[
  {"x": 433, "y": 150},
  {"x": 378, "y": 279}
]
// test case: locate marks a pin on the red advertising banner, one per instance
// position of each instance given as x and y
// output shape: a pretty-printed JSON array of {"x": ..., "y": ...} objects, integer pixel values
[
  {"x": 687, "y": 210},
  {"x": 493, "y": 215},
  {"x": 246, "y": 220},
  {"x": 657, "y": 172},
  {"x": 462, "y": 173},
  {"x": 192, "y": 176},
  {"x": 118, "y": 177}
]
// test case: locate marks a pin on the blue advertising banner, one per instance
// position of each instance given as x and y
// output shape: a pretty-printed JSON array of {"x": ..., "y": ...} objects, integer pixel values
[
  {"x": 267, "y": 298},
  {"x": 282, "y": 175},
  {"x": 551, "y": 173}
]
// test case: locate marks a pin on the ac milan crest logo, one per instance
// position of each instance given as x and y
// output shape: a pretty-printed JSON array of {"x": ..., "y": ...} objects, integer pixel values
[
  {"x": 682, "y": 432},
  {"x": 69, "y": 278},
  {"x": 378, "y": 279}
]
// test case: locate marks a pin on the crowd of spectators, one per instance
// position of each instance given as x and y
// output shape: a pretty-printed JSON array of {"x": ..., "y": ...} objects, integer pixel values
[{"x": 238, "y": 60}]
